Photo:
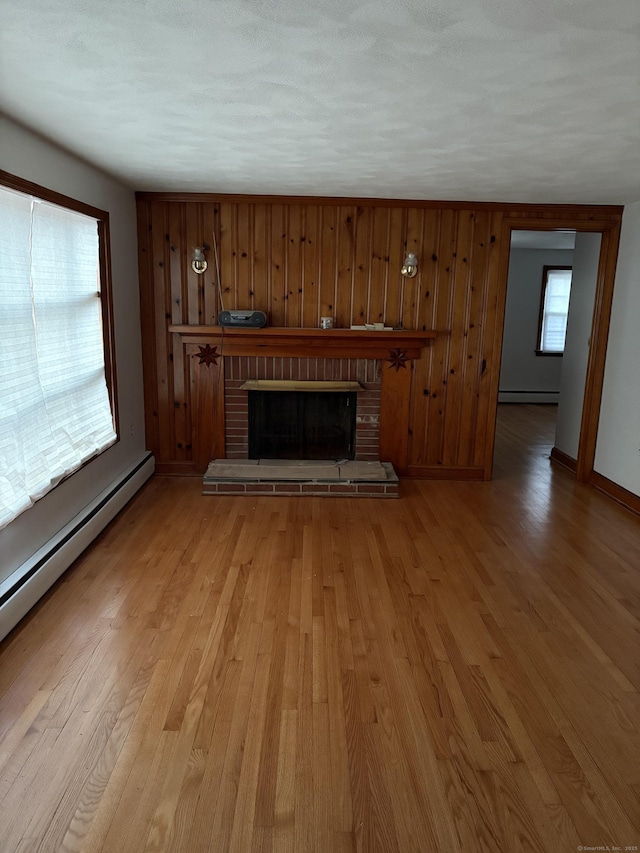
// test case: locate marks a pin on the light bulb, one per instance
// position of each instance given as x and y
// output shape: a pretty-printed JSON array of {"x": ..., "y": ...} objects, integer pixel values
[{"x": 410, "y": 265}]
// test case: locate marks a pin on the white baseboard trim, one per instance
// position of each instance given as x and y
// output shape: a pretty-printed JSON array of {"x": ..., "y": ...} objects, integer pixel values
[
  {"x": 528, "y": 396},
  {"x": 22, "y": 589}
]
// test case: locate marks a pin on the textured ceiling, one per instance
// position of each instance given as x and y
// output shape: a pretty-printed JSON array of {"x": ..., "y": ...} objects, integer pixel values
[{"x": 513, "y": 100}]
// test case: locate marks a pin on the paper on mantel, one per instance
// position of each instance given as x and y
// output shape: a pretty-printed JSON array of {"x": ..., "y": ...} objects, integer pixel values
[{"x": 372, "y": 327}]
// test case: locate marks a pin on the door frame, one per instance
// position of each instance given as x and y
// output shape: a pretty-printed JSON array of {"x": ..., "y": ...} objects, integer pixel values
[{"x": 610, "y": 231}]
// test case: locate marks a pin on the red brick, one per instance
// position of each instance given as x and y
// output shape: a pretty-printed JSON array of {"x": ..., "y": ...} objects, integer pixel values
[
  {"x": 259, "y": 487},
  {"x": 287, "y": 487},
  {"x": 315, "y": 487},
  {"x": 342, "y": 488}
]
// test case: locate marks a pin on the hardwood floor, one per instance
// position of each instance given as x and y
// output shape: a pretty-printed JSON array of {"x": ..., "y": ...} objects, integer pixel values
[{"x": 456, "y": 670}]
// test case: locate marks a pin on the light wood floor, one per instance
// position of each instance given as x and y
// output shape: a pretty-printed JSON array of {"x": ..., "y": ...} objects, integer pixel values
[{"x": 456, "y": 670}]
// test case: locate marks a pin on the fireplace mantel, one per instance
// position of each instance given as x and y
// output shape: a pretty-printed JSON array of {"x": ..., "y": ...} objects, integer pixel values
[
  {"x": 205, "y": 348},
  {"x": 307, "y": 343}
]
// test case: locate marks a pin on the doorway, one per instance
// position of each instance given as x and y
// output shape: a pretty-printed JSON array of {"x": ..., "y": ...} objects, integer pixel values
[{"x": 604, "y": 236}]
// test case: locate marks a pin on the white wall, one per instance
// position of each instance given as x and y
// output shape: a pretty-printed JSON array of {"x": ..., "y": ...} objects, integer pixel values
[
  {"x": 576, "y": 352},
  {"x": 523, "y": 374},
  {"x": 32, "y": 158},
  {"x": 618, "y": 445}
]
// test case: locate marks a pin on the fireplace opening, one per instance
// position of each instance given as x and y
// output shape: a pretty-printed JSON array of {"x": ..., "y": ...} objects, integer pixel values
[{"x": 302, "y": 425}]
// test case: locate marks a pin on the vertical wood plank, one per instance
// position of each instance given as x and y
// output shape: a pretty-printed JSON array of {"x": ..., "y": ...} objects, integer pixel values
[
  {"x": 327, "y": 256},
  {"x": 162, "y": 312},
  {"x": 294, "y": 265},
  {"x": 261, "y": 283},
  {"x": 183, "y": 227},
  {"x": 244, "y": 250},
  {"x": 148, "y": 298},
  {"x": 379, "y": 264},
  {"x": 473, "y": 335},
  {"x": 310, "y": 245},
  {"x": 394, "y": 415},
  {"x": 394, "y": 305},
  {"x": 227, "y": 255},
  {"x": 362, "y": 265},
  {"x": 277, "y": 308},
  {"x": 490, "y": 357},
  {"x": 413, "y": 286},
  {"x": 346, "y": 260},
  {"x": 453, "y": 371},
  {"x": 210, "y": 229}
]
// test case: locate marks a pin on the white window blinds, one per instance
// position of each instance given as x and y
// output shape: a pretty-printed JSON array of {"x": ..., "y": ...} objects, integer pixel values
[
  {"x": 54, "y": 404},
  {"x": 555, "y": 310}
]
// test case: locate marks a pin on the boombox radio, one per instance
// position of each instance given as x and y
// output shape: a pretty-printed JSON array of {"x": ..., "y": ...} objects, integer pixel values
[{"x": 243, "y": 319}]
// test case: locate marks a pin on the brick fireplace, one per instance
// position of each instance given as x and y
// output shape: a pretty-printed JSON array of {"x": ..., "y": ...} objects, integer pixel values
[
  {"x": 218, "y": 361},
  {"x": 240, "y": 369}
]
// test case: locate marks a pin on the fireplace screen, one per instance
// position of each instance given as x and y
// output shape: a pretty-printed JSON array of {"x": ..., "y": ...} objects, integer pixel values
[{"x": 302, "y": 425}]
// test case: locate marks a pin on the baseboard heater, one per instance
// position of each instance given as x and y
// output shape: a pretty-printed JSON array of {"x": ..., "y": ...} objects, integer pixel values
[
  {"x": 22, "y": 589},
  {"x": 528, "y": 396}
]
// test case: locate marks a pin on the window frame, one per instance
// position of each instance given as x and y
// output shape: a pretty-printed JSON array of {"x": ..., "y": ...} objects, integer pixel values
[
  {"x": 546, "y": 269},
  {"x": 13, "y": 182}
]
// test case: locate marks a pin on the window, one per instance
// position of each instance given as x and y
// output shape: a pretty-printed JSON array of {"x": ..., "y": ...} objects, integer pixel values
[
  {"x": 56, "y": 365},
  {"x": 554, "y": 310}
]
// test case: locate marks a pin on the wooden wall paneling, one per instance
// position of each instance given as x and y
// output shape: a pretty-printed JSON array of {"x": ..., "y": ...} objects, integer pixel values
[
  {"x": 431, "y": 454},
  {"x": 327, "y": 261},
  {"x": 428, "y": 262},
  {"x": 294, "y": 265},
  {"x": 184, "y": 233},
  {"x": 454, "y": 371},
  {"x": 208, "y": 402},
  {"x": 148, "y": 325},
  {"x": 210, "y": 301},
  {"x": 413, "y": 242},
  {"x": 362, "y": 265},
  {"x": 421, "y": 402},
  {"x": 394, "y": 415},
  {"x": 394, "y": 302},
  {"x": 345, "y": 277},
  {"x": 305, "y": 258},
  {"x": 228, "y": 260},
  {"x": 162, "y": 312},
  {"x": 379, "y": 265},
  {"x": 470, "y": 364},
  {"x": 261, "y": 284},
  {"x": 490, "y": 354},
  {"x": 193, "y": 284},
  {"x": 310, "y": 248},
  {"x": 278, "y": 305},
  {"x": 244, "y": 256}
]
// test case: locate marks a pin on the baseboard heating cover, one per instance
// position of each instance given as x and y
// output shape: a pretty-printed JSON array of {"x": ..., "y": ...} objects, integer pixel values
[
  {"x": 22, "y": 589},
  {"x": 528, "y": 396}
]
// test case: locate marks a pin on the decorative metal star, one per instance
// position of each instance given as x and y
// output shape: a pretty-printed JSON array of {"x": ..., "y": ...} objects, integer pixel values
[
  {"x": 208, "y": 355},
  {"x": 397, "y": 359}
]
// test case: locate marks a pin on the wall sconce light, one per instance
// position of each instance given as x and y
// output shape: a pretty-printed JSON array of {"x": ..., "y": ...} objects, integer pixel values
[
  {"x": 410, "y": 266},
  {"x": 198, "y": 260}
]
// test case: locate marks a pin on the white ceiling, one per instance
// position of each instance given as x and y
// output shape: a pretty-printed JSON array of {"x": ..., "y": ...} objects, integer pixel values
[{"x": 499, "y": 100}]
